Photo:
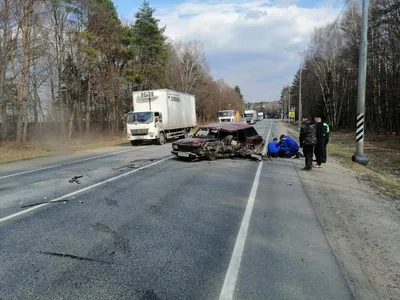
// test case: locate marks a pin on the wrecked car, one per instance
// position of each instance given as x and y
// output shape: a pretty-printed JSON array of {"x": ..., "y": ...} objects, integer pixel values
[{"x": 221, "y": 140}]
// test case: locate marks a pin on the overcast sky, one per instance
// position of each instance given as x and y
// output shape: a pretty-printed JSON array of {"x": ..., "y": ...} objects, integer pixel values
[{"x": 245, "y": 41}]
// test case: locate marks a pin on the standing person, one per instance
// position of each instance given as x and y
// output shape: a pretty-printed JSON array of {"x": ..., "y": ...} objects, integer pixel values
[
  {"x": 308, "y": 139},
  {"x": 319, "y": 126},
  {"x": 325, "y": 140}
]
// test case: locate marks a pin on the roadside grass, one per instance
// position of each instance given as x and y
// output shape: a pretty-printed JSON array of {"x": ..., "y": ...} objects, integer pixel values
[
  {"x": 11, "y": 151},
  {"x": 383, "y": 169},
  {"x": 383, "y": 151}
]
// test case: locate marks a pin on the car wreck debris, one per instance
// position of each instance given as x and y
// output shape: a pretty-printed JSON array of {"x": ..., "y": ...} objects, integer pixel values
[
  {"x": 75, "y": 179},
  {"x": 221, "y": 140}
]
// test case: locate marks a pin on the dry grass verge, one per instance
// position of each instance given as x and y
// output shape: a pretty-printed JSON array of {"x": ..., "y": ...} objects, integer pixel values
[
  {"x": 383, "y": 151},
  {"x": 11, "y": 151}
]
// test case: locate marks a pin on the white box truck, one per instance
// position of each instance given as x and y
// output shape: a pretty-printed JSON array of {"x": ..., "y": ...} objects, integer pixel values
[
  {"x": 250, "y": 116},
  {"x": 159, "y": 115},
  {"x": 226, "y": 116}
]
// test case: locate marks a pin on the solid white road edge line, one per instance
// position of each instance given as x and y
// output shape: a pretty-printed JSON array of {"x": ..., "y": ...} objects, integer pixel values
[
  {"x": 81, "y": 190},
  {"x": 228, "y": 288},
  {"x": 72, "y": 162}
]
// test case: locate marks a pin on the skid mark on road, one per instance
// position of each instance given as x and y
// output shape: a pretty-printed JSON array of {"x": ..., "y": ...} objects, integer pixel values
[
  {"x": 65, "y": 255},
  {"x": 120, "y": 243}
]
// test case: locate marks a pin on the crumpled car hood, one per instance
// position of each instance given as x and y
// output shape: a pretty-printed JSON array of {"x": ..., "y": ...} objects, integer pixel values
[{"x": 192, "y": 141}]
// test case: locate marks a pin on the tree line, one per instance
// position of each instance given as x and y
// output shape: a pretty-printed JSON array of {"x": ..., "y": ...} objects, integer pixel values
[
  {"x": 330, "y": 70},
  {"x": 69, "y": 67}
]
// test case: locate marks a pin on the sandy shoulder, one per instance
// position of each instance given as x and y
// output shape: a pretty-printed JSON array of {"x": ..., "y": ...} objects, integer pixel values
[{"x": 362, "y": 226}]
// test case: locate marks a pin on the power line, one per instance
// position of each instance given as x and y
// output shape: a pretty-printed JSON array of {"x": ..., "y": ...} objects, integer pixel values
[{"x": 333, "y": 26}]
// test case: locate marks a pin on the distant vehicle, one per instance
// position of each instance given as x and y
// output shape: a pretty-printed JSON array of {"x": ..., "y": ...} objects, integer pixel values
[
  {"x": 226, "y": 116},
  {"x": 159, "y": 115},
  {"x": 260, "y": 116},
  {"x": 250, "y": 116},
  {"x": 221, "y": 140}
]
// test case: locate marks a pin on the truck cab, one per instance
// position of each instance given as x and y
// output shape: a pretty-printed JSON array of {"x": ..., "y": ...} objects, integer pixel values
[
  {"x": 226, "y": 116},
  {"x": 144, "y": 125}
]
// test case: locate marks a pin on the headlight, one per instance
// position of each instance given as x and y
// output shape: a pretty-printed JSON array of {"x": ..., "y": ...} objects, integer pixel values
[{"x": 175, "y": 147}]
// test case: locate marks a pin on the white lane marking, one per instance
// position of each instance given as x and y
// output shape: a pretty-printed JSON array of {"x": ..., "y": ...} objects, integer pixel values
[
  {"x": 72, "y": 162},
  {"x": 231, "y": 275},
  {"x": 82, "y": 190}
]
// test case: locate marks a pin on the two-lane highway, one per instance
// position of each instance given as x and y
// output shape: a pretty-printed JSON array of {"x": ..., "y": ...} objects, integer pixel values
[{"x": 165, "y": 229}]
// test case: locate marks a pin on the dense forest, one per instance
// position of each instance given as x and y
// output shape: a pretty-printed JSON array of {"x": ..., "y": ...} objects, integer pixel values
[
  {"x": 330, "y": 69},
  {"x": 68, "y": 68}
]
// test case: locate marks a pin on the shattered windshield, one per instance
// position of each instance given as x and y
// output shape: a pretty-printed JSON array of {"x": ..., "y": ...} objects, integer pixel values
[
  {"x": 206, "y": 133},
  {"x": 140, "y": 117}
]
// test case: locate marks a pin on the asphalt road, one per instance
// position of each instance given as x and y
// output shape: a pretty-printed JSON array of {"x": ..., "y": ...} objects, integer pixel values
[{"x": 163, "y": 229}]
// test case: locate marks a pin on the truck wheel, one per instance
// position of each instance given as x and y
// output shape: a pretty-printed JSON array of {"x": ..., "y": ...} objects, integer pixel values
[{"x": 161, "y": 139}]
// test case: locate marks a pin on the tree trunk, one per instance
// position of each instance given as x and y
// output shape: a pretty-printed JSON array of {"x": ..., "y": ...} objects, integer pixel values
[
  {"x": 88, "y": 102},
  {"x": 71, "y": 122}
]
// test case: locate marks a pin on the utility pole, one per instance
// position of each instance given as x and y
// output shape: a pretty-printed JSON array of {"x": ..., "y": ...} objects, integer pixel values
[
  {"x": 300, "y": 108},
  {"x": 359, "y": 156},
  {"x": 289, "y": 103}
]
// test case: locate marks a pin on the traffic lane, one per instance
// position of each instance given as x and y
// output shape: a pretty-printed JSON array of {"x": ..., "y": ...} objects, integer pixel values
[
  {"x": 45, "y": 185},
  {"x": 48, "y": 184},
  {"x": 287, "y": 255},
  {"x": 32, "y": 165},
  {"x": 167, "y": 231}
]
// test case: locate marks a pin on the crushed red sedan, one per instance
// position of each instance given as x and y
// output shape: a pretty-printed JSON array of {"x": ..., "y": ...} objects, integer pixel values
[{"x": 221, "y": 140}]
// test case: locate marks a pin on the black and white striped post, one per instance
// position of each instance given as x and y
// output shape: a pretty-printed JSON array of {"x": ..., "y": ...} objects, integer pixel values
[{"x": 359, "y": 156}]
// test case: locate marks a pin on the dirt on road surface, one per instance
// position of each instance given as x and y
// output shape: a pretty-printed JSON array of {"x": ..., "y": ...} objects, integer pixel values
[{"x": 361, "y": 224}]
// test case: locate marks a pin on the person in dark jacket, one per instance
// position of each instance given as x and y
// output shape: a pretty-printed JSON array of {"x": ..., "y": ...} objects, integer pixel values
[
  {"x": 319, "y": 126},
  {"x": 308, "y": 139}
]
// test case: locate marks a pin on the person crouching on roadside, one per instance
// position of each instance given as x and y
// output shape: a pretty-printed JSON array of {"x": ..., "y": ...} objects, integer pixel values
[
  {"x": 289, "y": 147},
  {"x": 273, "y": 148}
]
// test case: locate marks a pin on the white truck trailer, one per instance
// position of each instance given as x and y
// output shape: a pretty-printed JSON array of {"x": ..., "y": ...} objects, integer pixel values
[
  {"x": 250, "y": 116},
  {"x": 159, "y": 115}
]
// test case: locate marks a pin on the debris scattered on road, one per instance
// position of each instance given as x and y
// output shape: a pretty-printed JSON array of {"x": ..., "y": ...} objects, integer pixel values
[
  {"x": 44, "y": 202},
  {"x": 132, "y": 164},
  {"x": 75, "y": 179}
]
